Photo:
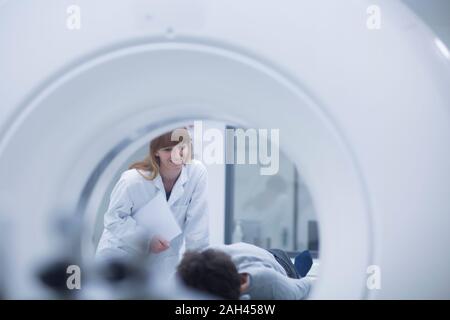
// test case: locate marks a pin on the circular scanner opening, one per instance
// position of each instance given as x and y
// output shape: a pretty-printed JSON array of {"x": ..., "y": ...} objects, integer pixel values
[
  {"x": 120, "y": 99},
  {"x": 256, "y": 194}
]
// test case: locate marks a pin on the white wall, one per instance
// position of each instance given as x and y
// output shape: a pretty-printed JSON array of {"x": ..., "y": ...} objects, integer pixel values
[
  {"x": 216, "y": 190},
  {"x": 436, "y": 14}
]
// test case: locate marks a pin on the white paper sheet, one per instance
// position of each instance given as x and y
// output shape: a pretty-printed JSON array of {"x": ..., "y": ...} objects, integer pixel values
[{"x": 157, "y": 218}]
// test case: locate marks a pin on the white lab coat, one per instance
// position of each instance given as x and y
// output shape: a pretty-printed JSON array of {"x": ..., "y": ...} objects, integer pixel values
[{"x": 122, "y": 236}]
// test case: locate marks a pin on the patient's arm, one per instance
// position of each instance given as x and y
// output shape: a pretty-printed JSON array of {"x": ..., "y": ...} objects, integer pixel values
[{"x": 269, "y": 284}]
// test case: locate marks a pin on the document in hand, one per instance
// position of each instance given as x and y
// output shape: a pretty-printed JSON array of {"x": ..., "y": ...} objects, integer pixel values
[{"x": 157, "y": 218}]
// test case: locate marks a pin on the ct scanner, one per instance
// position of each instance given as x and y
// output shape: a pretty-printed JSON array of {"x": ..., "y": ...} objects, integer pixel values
[{"x": 365, "y": 115}]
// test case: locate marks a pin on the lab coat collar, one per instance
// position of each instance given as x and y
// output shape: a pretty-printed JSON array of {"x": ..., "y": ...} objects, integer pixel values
[{"x": 178, "y": 188}]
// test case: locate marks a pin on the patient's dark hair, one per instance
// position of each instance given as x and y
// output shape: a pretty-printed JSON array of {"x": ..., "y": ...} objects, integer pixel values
[{"x": 212, "y": 271}]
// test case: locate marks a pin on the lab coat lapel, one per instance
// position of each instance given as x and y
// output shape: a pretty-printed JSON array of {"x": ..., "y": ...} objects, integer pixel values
[
  {"x": 178, "y": 188},
  {"x": 159, "y": 184}
]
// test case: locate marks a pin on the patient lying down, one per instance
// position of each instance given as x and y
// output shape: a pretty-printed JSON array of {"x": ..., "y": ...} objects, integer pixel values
[{"x": 246, "y": 271}]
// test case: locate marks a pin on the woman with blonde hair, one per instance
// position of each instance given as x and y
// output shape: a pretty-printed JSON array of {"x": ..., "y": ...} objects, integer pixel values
[{"x": 168, "y": 169}]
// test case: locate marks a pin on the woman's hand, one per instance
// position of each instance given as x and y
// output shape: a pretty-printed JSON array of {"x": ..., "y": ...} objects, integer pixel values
[{"x": 158, "y": 244}]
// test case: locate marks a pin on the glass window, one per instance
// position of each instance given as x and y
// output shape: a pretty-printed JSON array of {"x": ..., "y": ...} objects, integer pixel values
[{"x": 264, "y": 209}]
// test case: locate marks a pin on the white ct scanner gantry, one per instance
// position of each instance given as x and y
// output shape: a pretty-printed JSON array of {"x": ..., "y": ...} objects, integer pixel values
[{"x": 364, "y": 113}]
